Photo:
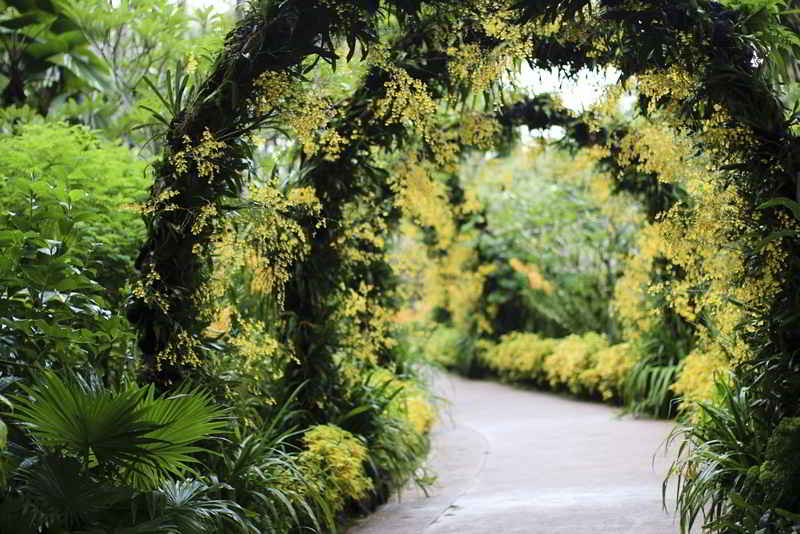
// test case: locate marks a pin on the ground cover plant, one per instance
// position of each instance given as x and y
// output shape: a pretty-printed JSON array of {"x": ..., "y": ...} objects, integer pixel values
[{"x": 284, "y": 161}]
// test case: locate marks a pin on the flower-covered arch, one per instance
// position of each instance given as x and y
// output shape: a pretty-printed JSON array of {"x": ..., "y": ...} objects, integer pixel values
[{"x": 317, "y": 249}]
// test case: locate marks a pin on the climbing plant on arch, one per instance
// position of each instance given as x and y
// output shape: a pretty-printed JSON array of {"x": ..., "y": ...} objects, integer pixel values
[{"x": 701, "y": 68}]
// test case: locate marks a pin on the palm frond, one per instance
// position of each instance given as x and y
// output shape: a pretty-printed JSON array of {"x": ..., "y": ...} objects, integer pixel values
[{"x": 140, "y": 436}]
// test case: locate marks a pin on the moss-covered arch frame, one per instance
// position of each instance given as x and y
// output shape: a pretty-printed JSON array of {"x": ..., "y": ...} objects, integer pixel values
[{"x": 706, "y": 40}]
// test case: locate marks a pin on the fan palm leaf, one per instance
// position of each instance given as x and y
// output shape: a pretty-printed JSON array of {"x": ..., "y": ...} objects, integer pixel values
[{"x": 132, "y": 433}]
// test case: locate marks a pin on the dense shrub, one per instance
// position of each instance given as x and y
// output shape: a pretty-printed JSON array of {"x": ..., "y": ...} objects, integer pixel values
[
  {"x": 582, "y": 364},
  {"x": 610, "y": 368},
  {"x": 69, "y": 240},
  {"x": 333, "y": 459},
  {"x": 520, "y": 356}
]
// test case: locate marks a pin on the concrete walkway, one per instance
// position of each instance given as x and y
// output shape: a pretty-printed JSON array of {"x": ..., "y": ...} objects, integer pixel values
[{"x": 510, "y": 461}]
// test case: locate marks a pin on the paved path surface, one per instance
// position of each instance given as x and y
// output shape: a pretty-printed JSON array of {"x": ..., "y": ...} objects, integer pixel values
[{"x": 510, "y": 461}]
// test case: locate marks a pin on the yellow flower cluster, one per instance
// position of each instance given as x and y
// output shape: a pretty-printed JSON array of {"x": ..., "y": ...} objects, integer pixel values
[
  {"x": 260, "y": 354},
  {"x": 675, "y": 83},
  {"x": 270, "y": 243},
  {"x": 478, "y": 130},
  {"x": 364, "y": 227},
  {"x": 256, "y": 254},
  {"x": 472, "y": 66},
  {"x": 365, "y": 327},
  {"x": 305, "y": 114},
  {"x": 535, "y": 279},
  {"x": 632, "y": 290},
  {"x": 520, "y": 356},
  {"x": 479, "y": 69},
  {"x": 706, "y": 236},
  {"x": 205, "y": 216},
  {"x": 406, "y": 99},
  {"x": 159, "y": 203},
  {"x": 610, "y": 370},
  {"x": 423, "y": 198},
  {"x": 182, "y": 350},
  {"x": 204, "y": 155},
  {"x": 662, "y": 150},
  {"x": 333, "y": 460},
  {"x": 698, "y": 373},
  {"x": 420, "y": 412},
  {"x": 145, "y": 288}
]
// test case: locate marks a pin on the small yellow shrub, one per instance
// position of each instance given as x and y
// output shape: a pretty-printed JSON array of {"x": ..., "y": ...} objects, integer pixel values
[
  {"x": 697, "y": 375},
  {"x": 519, "y": 356},
  {"x": 611, "y": 366},
  {"x": 334, "y": 462},
  {"x": 572, "y": 356}
]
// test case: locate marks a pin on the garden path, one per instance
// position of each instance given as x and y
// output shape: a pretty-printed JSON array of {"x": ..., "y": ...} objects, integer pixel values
[{"x": 512, "y": 461}]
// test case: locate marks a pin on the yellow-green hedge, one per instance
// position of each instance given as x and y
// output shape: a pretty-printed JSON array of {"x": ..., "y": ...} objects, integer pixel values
[{"x": 582, "y": 364}]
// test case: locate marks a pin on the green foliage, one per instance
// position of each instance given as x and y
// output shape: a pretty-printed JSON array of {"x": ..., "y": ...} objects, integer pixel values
[
  {"x": 719, "y": 457},
  {"x": 68, "y": 244},
  {"x": 130, "y": 435},
  {"x": 442, "y": 346},
  {"x": 95, "y": 182},
  {"x": 263, "y": 476},
  {"x": 736, "y": 468},
  {"x": 57, "y": 494},
  {"x": 780, "y": 473},
  {"x": 191, "y": 506},
  {"x": 381, "y": 408},
  {"x": 558, "y": 240},
  {"x": 776, "y": 43},
  {"x": 45, "y": 55},
  {"x": 63, "y": 283},
  {"x": 88, "y": 458},
  {"x": 157, "y": 36},
  {"x": 646, "y": 389}
]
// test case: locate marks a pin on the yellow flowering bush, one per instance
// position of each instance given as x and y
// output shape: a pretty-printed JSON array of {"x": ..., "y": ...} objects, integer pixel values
[
  {"x": 697, "y": 375},
  {"x": 571, "y": 357},
  {"x": 583, "y": 364},
  {"x": 333, "y": 460},
  {"x": 520, "y": 356},
  {"x": 611, "y": 367}
]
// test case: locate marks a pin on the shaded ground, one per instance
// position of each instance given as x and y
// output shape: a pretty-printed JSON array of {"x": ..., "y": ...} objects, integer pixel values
[{"x": 510, "y": 461}]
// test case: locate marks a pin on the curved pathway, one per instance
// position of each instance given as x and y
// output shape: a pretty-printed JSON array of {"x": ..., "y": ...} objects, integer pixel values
[{"x": 511, "y": 461}]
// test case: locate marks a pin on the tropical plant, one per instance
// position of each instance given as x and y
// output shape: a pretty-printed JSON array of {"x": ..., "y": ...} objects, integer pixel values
[
  {"x": 81, "y": 454},
  {"x": 261, "y": 473},
  {"x": 160, "y": 38},
  {"x": 718, "y": 461},
  {"x": 68, "y": 247},
  {"x": 130, "y": 435},
  {"x": 384, "y": 410},
  {"x": 45, "y": 55}
]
